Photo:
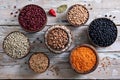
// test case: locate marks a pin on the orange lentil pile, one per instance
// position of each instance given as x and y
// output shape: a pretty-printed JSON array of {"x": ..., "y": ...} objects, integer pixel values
[{"x": 83, "y": 59}]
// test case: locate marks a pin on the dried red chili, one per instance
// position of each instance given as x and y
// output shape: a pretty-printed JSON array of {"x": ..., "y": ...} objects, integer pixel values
[
  {"x": 52, "y": 12},
  {"x": 32, "y": 18}
]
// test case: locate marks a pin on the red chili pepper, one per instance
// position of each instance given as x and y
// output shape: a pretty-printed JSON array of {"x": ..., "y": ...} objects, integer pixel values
[{"x": 52, "y": 12}]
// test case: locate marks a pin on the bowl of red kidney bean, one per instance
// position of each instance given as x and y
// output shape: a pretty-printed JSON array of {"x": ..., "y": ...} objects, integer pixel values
[{"x": 32, "y": 18}]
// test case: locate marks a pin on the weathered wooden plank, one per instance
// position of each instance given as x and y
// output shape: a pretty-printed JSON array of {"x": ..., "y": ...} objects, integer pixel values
[
  {"x": 97, "y": 8},
  {"x": 60, "y": 68},
  {"x": 59, "y": 64},
  {"x": 37, "y": 39}
]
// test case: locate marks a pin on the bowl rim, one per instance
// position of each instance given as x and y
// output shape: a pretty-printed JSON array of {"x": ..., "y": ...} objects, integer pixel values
[
  {"x": 70, "y": 37},
  {"x": 35, "y": 30},
  {"x": 90, "y": 37},
  {"x": 79, "y": 24},
  {"x": 27, "y": 40},
  {"x": 96, "y": 54}
]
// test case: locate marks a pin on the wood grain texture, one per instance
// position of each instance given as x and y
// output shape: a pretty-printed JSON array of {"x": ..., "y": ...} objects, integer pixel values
[
  {"x": 109, "y": 64},
  {"x": 97, "y": 8}
]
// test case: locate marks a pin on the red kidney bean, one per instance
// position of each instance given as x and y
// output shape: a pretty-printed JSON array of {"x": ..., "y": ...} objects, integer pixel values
[{"x": 32, "y": 18}]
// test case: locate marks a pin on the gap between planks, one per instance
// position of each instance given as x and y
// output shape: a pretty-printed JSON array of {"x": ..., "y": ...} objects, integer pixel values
[{"x": 50, "y": 25}]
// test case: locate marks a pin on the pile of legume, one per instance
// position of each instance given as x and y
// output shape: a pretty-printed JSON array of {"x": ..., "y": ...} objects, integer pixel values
[
  {"x": 16, "y": 45},
  {"x": 83, "y": 59},
  {"x": 102, "y": 32},
  {"x": 32, "y": 18},
  {"x": 57, "y": 39},
  {"x": 77, "y": 15},
  {"x": 39, "y": 62}
]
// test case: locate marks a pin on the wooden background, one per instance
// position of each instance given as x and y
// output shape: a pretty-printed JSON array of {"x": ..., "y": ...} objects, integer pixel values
[{"x": 109, "y": 66}]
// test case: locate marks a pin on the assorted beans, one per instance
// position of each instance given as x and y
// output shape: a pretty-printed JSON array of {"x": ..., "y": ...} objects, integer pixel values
[{"x": 58, "y": 38}]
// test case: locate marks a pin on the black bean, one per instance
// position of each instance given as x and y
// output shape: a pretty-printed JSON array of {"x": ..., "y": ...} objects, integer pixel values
[{"x": 103, "y": 32}]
